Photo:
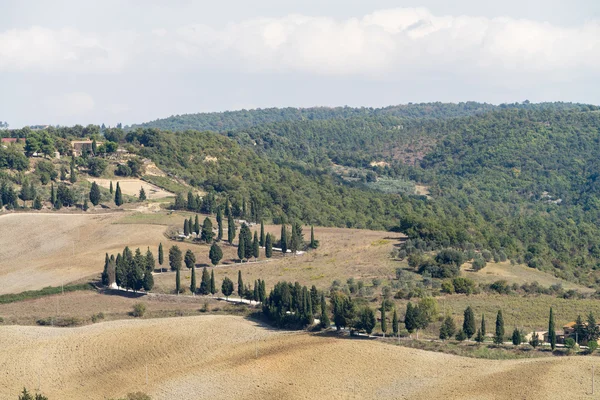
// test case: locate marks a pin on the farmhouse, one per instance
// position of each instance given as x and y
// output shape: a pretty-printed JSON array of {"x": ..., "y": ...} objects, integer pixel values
[{"x": 79, "y": 146}]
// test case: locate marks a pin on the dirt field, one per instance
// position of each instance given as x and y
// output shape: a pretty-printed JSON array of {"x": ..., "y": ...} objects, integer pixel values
[
  {"x": 132, "y": 187},
  {"x": 216, "y": 357}
]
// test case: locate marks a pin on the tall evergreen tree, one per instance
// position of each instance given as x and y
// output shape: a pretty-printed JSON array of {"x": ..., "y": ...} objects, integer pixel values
[
  {"x": 240, "y": 284},
  {"x": 383, "y": 319},
  {"x": 255, "y": 291},
  {"x": 213, "y": 288},
  {"x": 191, "y": 225},
  {"x": 325, "y": 322},
  {"x": 219, "y": 225},
  {"x": 72, "y": 173},
  {"x": 205, "y": 284},
  {"x": 175, "y": 258},
  {"x": 94, "y": 147},
  {"x": 483, "y": 332},
  {"x": 150, "y": 260},
  {"x": 63, "y": 173},
  {"x": 262, "y": 234},
  {"x": 313, "y": 243},
  {"x": 189, "y": 259},
  {"x": 410, "y": 319},
  {"x": 95, "y": 194},
  {"x": 395, "y": 323},
  {"x": 230, "y": 228},
  {"x": 551, "y": 330},
  {"x": 111, "y": 188},
  {"x": 105, "y": 272},
  {"x": 37, "y": 203},
  {"x": 469, "y": 322},
  {"x": 283, "y": 240},
  {"x": 118, "y": 196},
  {"x": 499, "y": 336},
  {"x": 52, "y": 194},
  {"x": 241, "y": 251},
  {"x": 268, "y": 246},
  {"x": 186, "y": 227},
  {"x": 191, "y": 204},
  {"x": 227, "y": 287},
  {"x": 207, "y": 231},
  {"x": 193, "y": 281},
  {"x": 161, "y": 256},
  {"x": 255, "y": 247},
  {"x": 448, "y": 328},
  {"x": 215, "y": 254},
  {"x": 142, "y": 195},
  {"x": 197, "y": 226},
  {"x": 516, "y": 337},
  {"x": 177, "y": 281}
]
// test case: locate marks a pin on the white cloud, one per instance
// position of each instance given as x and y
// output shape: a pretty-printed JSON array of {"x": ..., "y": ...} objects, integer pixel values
[{"x": 382, "y": 44}]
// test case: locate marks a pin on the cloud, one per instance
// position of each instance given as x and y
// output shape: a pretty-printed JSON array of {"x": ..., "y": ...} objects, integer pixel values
[
  {"x": 383, "y": 44},
  {"x": 69, "y": 104}
]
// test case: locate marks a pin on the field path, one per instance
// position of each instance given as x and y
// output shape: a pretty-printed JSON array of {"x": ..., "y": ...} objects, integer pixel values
[{"x": 227, "y": 357}]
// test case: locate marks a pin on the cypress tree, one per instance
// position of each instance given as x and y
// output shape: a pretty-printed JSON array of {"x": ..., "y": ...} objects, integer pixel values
[
  {"x": 240, "y": 284},
  {"x": 177, "y": 282},
  {"x": 161, "y": 256},
  {"x": 283, "y": 240},
  {"x": 241, "y": 249},
  {"x": 255, "y": 291},
  {"x": 383, "y": 319},
  {"x": 205, "y": 284},
  {"x": 186, "y": 227},
  {"x": 72, "y": 174},
  {"x": 227, "y": 208},
  {"x": 313, "y": 244},
  {"x": 230, "y": 228},
  {"x": 191, "y": 204},
  {"x": 227, "y": 287},
  {"x": 516, "y": 337},
  {"x": 84, "y": 206},
  {"x": 193, "y": 283},
  {"x": 551, "y": 330},
  {"x": 197, "y": 226},
  {"x": 483, "y": 325},
  {"x": 191, "y": 225},
  {"x": 410, "y": 320},
  {"x": 262, "y": 234},
  {"x": 219, "y": 225},
  {"x": 175, "y": 258},
  {"x": 105, "y": 272},
  {"x": 63, "y": 173},
  {"x": 37, "y": 203},
  {"x": 94, "y": 147},
  {"x": 95, "y": 194},
  {"x": 294, "y": 240},
  {"x": 118, "y": 196},
  {"x": 499, "y": 336},
  {"x": 255, "y": 247},
  {"x": 325, "y": 322},
  {"x": 207, "y": 231},
  {"x": 469, "y": 322},
  {"x": 268, "y": 246},
  {"x": 111, "y": 188},
  {"x": 213, "y": 289},
  {"x": 142, "y": 195},
  {"x": 448, "y": 328},
  {"x": 52, "y": 194},
  {"x": 215, "y": 254},
  {"x": 395, "y": 323},
  {"x": 189, "y": 259}
]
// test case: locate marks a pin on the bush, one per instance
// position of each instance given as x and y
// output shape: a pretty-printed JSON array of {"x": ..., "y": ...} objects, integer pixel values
[
  {"x": 461, "y": 336},
  {"x": 478, "y": 264},
  {"x": 592, "y": 346},
  {"x": 60, "y": 322},
  {"x": 569, "y": 343},
  {"x": 139, "y": 310},
  {"x": 463, "y": 285},
  {"x": 97, "y": 317},
  {"x": 447, "y": 287},
  {"x": 501, "y": 287},
  {"x": 487, "y": 255}
]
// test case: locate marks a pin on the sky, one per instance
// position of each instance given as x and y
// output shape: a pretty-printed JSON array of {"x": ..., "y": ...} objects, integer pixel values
[{"x": 85, "y": 61}]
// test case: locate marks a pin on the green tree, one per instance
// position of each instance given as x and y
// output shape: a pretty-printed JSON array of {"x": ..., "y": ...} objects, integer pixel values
[
  {"x": 95, "y": 194},
  {"x": 313, "y": 242},
  {"x": 94, "y": 147},
  {"x": 395, "y": 329},
  {"x": 186, "y": 227},
  {"x": 85, "y": 205},
  {"x": 111, "y": 187},
  {"x": 215, "y": 254},
  {"x": 72, "y": 173},
  {"x": 469, "y": 322},
  {"x": 579, "y": 328},
  {"x": 52, "y": 194},
  {"x": 241, "y": 251},
  {"x": 283, "y": 243},
  {"x": 383, "y": 319},
  {"x": 189, "y": 259},
  {"x": 205, "y": 284},
  {"x": 37, "y": 203},
  {"x": 193, "y": 282},
  {"x": 230, "y": 228},
  {"x": 262, "y": 234},
  {"x": 213, "y": 288},
  {"x": 177, "y": 281},
  {"x": 142, "y": 195},
  {"x": 516, "y": 337},
  {"x": 197, "y": 226},
  {"x": 255, "y": 247},
  {"x": 207, "y": 231},
  {"x": 325, "y": 322},
  {"x": 535, "y": 340},
  {"x": 499, "y": 335},
  {"x": 105, "y": 271},
  {"x": 268, "y": 246},
  {"x": 175, "y": 258},
  {"x": 118, "y": 196},
  {"x": 240, "y": 289},
  {"x": 551, "y": 330},
  {"x": 161, "y": 256},
  {"x": 448, "y": 328},
  {"x": 227, "y": 287},
  {"x": 366, "y": 319},
  {"x": 592, "y": 330},
  {"x": 483, "y": 325},
  {"x": 25, "y": 395},
  {"x": 410, "y": 318},
  {"x": 219, "y": 225}
]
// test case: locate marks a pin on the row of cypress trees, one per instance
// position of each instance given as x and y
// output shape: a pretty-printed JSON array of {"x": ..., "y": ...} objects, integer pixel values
[{"x": 129, "y": 271}]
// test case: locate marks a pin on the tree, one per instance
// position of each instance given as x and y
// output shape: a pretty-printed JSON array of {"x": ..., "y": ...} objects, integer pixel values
[
  {"x": 551, "y": 330},
  {"x": 95, "y": 194},
  {"x": 177, "y": 281},
  {"x": 448, "y": 328},
  {"x": 175, "y": 258},
  {"x": 395, "y": 329},
  {"x": 268, "y": 246},
  {"x": 72, "y": 173},
  {"x": 366, "y": 320},
  {"x": 499, "y": 335},
  {"x": 193, "y": 279},
  {"x": 111, "y": 188},
  {"x": 189, "y": 259},
  {"x": 241, "y": 251},
  {"x": 105, "y": 271},
  {"x": 461, "y": 336},
  {"x": 161, "y": 257},
  {"x": 383, "y": 319},
  {"x": 313, "y": 243},
  {"x": 283, "y": 240},
  {"x": 142, "y": 195},
  {"x": 469, "y": 322},
  {"x": 240, "y": 289},
  {"x": 535, "y": 340},
  {"x": 186, "y": 227},
  {"x": 207, "y": 231},
  {"x": 215, "y": 254},
  {"x": 579, "y": 329},
  {"x": 118, "y": 196},
  {"x": 410, "y": 318},
  {"x": 325, "y": 323},
  {"x": 37, "y": 203},
  {"x": 483, "y": 325},
  {"x": 230, "y": 228},
  {"x": 592, "y": 329},
  {"x": 52, "y": 194},
  {"x": 255, "y": 247},
  {"x": 516, "y": 337},
  {"x": 63, "y": 173},
  {"x": 94, "y": 147},
  {"x": 227, "y": 287},
  {"x": 205, "y": 284},
  {"x": 219, "y": 225},
  {"x": 197, "y": 226},
  {"x": 25, "y": 395},
  {"x": 262, "y": 234},
  {"x": 213, "y": 289}
]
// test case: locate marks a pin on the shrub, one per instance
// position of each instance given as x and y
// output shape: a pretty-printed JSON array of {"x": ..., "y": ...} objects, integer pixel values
[
  {"x": 376, "y": 282},
  {"x": 461, "y": 336},
  {"x": 592, "y": 346},
  {"x": 97, "y": 317},
  {"x": 139, "y": 310},
  {"x": 447, "y": 287},
  {"x": 569, "y": 343},
  {"x": 501, "y": 287},
  {"x": 478, "y": 264},
  {"x": 463, "y": 285},
  {"x": 1, "y": 320},
  {"x": 487, "y": 255}
]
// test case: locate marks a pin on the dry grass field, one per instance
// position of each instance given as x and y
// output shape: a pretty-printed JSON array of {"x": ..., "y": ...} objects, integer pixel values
[
  {"x": 227, "y": 357},
  {"x": 131, "y": 187}
]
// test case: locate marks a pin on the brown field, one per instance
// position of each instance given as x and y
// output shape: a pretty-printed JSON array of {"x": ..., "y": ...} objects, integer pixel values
[
  {"x": 226, "y": 357},
  {"x": 132, "y": 187}
]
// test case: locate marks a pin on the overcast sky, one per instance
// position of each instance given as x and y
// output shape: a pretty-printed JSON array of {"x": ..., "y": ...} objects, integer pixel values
[{"x": 83, "y": 61}]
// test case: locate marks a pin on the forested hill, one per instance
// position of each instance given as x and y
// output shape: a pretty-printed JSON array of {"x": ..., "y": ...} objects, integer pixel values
[{"x": 233, "y": 120}]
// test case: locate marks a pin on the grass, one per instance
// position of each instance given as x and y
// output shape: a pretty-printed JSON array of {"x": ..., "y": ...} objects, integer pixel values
[
  {"x": 47, "y": 291},
  {"x": 165, "y": 183}
]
